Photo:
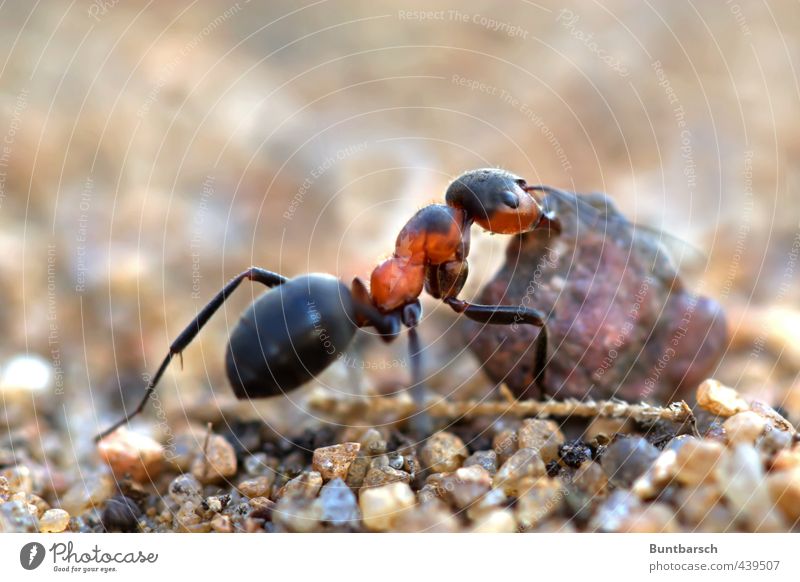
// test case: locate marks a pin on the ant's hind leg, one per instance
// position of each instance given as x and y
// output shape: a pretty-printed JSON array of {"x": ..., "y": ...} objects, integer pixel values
[
  {"x": 510, "y": 315},
  {"x": 256, "y": 274}
]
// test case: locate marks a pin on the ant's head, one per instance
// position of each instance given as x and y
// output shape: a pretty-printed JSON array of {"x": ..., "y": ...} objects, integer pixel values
[{"x": 497, "y": 200}]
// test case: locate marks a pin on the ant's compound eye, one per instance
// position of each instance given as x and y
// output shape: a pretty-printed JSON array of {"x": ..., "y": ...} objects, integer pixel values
[
  {"x": 522, "y": 183},
  {"x": 510, "y": 199}
]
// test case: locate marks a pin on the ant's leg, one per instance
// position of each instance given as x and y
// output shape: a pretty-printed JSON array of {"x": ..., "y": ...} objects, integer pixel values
[
  {"x": 510, "y": 315},
  {"x": 256, "y": 274},
  {"x": 421, "y": 422}
]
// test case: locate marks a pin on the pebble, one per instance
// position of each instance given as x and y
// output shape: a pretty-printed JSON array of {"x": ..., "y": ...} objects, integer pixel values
[
  {"x": 222, "y": 523},
  {"x": 784, "y": 487},
  {"x": 87, "y": 493},
  {"x": 696, "y": 461},
  {"x": 307, "y": 484},
  {"x": 495, "y": 521},
  {"x": 774, "y": 441},
  {"x": 658, "y": 475},
  {"x": 538, "y": 503},
  {"x": 260, "y": 486},
  {"x": 131, "y": 453},
  {"x": 5, "y": 489},
  {"x": 466, "y": 485},
  {"x": 743, "y": 483},
  {"x": 378, "y": 476},
  {"x": 652, "y": 518},
  {"x": 373, "y": 443},
  {"x": 434, "y": 517},
  {"x": 185, "y": 488},
  {"x": 338, "y": 504},
  {"x": 787, "y": 459},
  {"x": 53, "y": 521},
  {"x": 121, "y": 514},
  {"x": 693, "y": 503},
  {"x": 18, "y": 478},
  {"x": 573, "y": 453},
  {"x": 358, "y": 472},
  {"x": 297, "y": 514},
  {"x": 381, "y": 506},
  {"x": 614, "y": 512},
  {"x": 504, "y": 444},
  {"x": 216, "y": 462},
  {"x": 540, "y": 435},
  {"x": 720, "y": 400},
  {"x": 259, "y": 464},
  {"x": 443, "y": 452},
  {"x": 744, "y": 427},
  {"x": 525, "y": 463},
  {"x": 591, "y": 479},
  {"x": 626, "y": 459},
  {"x": 606, "y": 428},
  {"x": 494, "y": 499},
  {"x": 485, "y": 459},
  {"x": 261, "y": 508},
  {"x": 334, "y": 461},
  {"x": 15, "y": 517}
]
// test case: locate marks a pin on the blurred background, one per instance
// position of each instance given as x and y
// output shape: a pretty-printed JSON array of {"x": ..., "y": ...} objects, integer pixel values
[{"x": 150, "y": 151}]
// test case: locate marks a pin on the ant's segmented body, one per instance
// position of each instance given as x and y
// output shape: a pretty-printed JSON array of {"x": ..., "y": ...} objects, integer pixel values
[{"x": 301, "y": 325}]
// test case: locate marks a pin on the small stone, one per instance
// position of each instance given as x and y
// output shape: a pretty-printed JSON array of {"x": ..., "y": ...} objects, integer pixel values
[
  {"x": 382, "y": 506},
  {"x": 333, "y": 462},
  {"x": 606, "y": 428},
  {"x": 494, "y": 499},
  {"x": 185, "y": 488},
  {"x": 504, "y": 444},
  {"x": 720, "y": 400},
  {"x": 658, "y": 475},
  {"x": 121, "y": 514},
  {"x": 743, "y": 483},
  {"x": 358, "y": 472},
  {"x": 466, "y": 485},
  {"x": 591, "y": 479},
  {"x": 214, "y": 504},
  {"x": 434, "y": 517},
  {"x": 131, "y": 453},
  {"x": 573, "y": 453},
  {"x": 787, "y": 459},
  {"x": 338, "y": 504},
  {"x": 307, "y": 484},
  {"x": 187, "y": 517},
  {"x": 626, "y": 459},
  {"x": 261, "y": 508},
  {"x": 495, "y": 521},
  {"x": 694, "y": 503},
  {"x": 696, "y": 461},
  {"x": 298, "y": 514},
  {"x": 774, "y": 441},
  {"x": 15, "y": 517},
  {"x": 258, "y": 464},
  {"x": 540, "y": 435},
  {"x": 538, "y": 503},
  {"x": 485, "y": 459},
  {"x": 216, "y": 462},
  {"x": 87, "y": 493},
  {"x": 257, "y": 486},
  {"x": 525, "y": 463},
  {"x": 744, "y": 427},
  {"x": 378, "y": 476},
  {"x": 5, "y": 489},
  {"x": 784, "y": 487},
  {"x": 443, "y": 452},
  {"x": 614, "y": 512},
  {"x": 53, "y": 521},
  {"x": 18, "y": 478},
  {"x": 373, "y": 443},
  {"x": 222, "y": 523},
  {"x": 652, "y": 518}
]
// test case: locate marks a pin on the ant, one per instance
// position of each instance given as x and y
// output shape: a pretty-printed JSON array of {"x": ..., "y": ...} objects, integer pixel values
[{"x": 297, "y": 328}]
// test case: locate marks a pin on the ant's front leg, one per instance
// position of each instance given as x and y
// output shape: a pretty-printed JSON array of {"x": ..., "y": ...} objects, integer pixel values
[
  {"x": 510, "y": 315},
  {"x": 256, "y": 274}
]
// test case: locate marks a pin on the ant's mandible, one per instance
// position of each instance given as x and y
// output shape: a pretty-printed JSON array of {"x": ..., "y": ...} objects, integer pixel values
[{"x": 301, "y": 325}]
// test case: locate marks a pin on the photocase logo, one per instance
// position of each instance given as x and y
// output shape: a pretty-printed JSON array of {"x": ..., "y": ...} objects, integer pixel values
[{"x": 31, "y": 555}]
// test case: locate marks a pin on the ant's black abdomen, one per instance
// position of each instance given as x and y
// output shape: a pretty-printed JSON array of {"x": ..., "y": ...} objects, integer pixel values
[{"x": 288, "y": 335}]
